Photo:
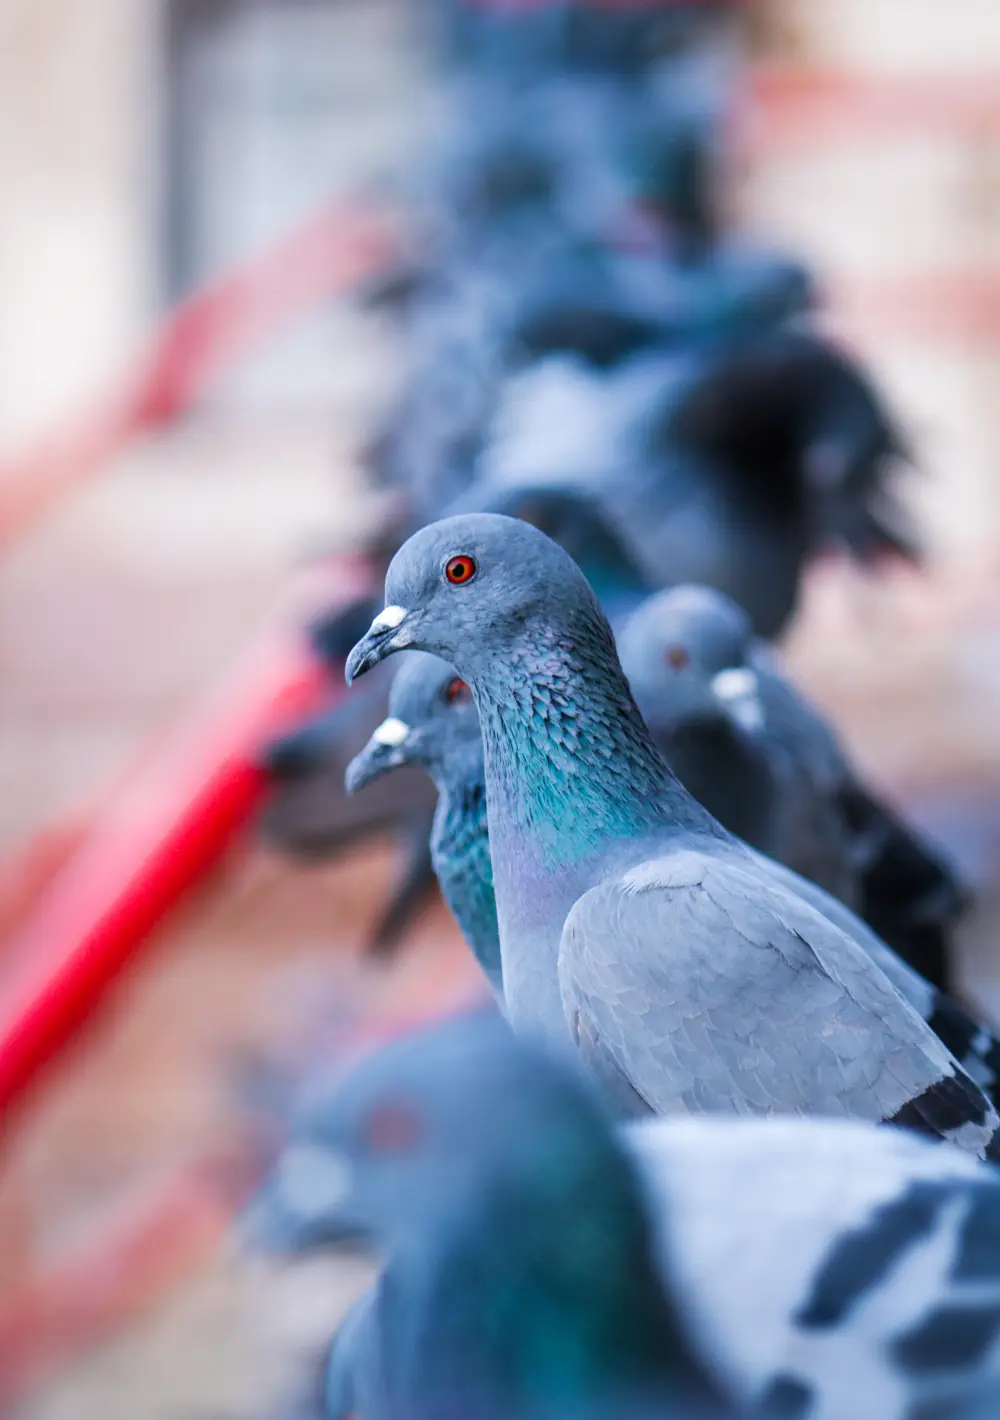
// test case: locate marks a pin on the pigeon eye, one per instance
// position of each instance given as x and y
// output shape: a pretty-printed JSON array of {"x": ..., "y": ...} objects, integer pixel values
[
  {"x": 461, "y": 569},
  {"x": 391, "y": 1129},
  {"x": 456, "y": 692},
  {"x": 676, "y": 657}
]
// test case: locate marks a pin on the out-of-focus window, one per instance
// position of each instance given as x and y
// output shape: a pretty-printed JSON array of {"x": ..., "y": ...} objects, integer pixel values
[
  {"x": 272, "y": 108},
  {"x": 254, "y": 126}
]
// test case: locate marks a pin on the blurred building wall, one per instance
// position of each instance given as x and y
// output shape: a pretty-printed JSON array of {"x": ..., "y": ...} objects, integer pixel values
[
  {"x": 75, "y": 127},
  {"x": 82, "y": 243},
  {"x": 278, "y": 104},
  {"x": 897, "y": 35},
  {"x": 906, "y": 215}
]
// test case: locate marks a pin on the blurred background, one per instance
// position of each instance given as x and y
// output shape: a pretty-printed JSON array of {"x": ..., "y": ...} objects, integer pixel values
[{"x": 189, "y": 189}]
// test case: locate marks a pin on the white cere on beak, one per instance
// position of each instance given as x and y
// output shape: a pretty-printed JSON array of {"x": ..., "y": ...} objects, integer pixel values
[
  {"x": 737, "y": 687},
  {"x": 391, "y": 733},
  {"x": 389, "y": 619},
  {"x": 312, "y": 1181}
]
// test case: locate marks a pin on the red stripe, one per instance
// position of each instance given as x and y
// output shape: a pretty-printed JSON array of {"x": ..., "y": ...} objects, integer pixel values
[
  {"x": 156, "y": 838},
  {"x": 331, "y": 251}
]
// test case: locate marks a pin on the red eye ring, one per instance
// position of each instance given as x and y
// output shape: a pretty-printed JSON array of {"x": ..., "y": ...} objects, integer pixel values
[
  {"x": 676, "y": 657},
  {"x": 460, "y": 569},
  {"x": 457, "y": 692},
  {"x": 392, "y": 1129}
]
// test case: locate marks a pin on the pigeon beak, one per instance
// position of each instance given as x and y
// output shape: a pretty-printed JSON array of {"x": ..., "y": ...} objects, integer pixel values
[
  {"x": 737, "y": 688},
  {"x": 304, "y": 1204},
  {"x": 386, "y": 634},
  {"x": 384, "y": 751}
]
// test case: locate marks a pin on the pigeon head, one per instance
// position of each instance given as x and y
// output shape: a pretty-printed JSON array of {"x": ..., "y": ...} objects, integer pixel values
[
  {"x": 470, "y": 589},
  {"x": 685, "y": 653},
  {"x": 580, "y": 526},
  {"x": 403, "y": 1145},
  {"x": 432, "y": 720}
]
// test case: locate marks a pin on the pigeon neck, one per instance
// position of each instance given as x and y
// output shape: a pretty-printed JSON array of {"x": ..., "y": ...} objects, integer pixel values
[
  {"x": 570, "y": 766},
  {"x": 460, "y": 850},
  {"x": 582, "y": 1318}
]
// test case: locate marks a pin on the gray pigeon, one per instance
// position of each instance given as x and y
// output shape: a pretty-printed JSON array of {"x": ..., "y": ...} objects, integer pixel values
[
  {"x": 685, "y": 654},
  {"x": 851, "y": 1269},
  {"x": 690, "y": 974},
  {"x": 432, "y": 722},
  {"x": 689, "y": 653},
  {"x": 713, "y": 750}
]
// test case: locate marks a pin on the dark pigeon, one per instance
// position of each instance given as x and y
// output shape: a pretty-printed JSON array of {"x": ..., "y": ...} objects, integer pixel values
[
  {"x": 732, "y": 465},
  {"x": 481, "y": 328},
  {"x": 810, "y": 1254},
  {"x": 432, "y": 723},
  {"x": 694, "y": 643},
  {"x": 308, "y": 815},
  {"x": 690, "y": 974}
]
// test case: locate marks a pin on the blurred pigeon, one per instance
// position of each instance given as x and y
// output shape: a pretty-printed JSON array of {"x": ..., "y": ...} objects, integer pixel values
[
  {"x": 730, "y": 466},
  {"x": 685, "y": 654},
  {"x": 854, "y": 1270},
  {"x": 308, "y": 815},
  {"x": 689, "y": 652},
  {"x": 691, "y": 974},
  {"x": 628, "y": 39},
  {"x": 480, "y": 323},
  {"x": 433, "y": 723},
  {"x": 523, "y": 1278}
]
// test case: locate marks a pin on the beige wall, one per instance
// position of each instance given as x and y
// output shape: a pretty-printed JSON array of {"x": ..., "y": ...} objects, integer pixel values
[
  {"x": 77, "y": 258},
  {"x": 900, "y": 205},
  {"x": 75, "y": 125},
  {"x": 897, "y": 35}
]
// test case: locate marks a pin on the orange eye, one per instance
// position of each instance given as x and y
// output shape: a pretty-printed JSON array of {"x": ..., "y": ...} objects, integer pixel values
[
  {"x": 457, "y": 692},
  {"x": 676, "y": 657},
  {"x": 392, "y": 1129},
  {"x": 461, "y": 569}
]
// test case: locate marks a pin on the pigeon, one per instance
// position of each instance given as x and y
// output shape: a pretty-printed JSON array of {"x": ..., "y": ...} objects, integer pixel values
[
  {"x": 432, "y": 722},
  {"x": 710, "y": 740},
  {"x": 852, "y": 1270},
  {"x": 732, "y": 464},
  {"x": 689, "y": 974},
  {"x": 577, "y": 522},
  {"x": 483, "y": 325},
  {"x": 684, "y": 652},
  {"x": 541, "y": 39},
  {"x": 523, "y": 1278},
  {"x": 689, "y": 654},
  {"x": 307, "y": 815}
]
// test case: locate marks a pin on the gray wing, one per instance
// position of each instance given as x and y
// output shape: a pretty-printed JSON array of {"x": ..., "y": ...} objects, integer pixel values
[
  {"x": 829, "y": 1251},
  {"x": 708, "y": 989}
]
